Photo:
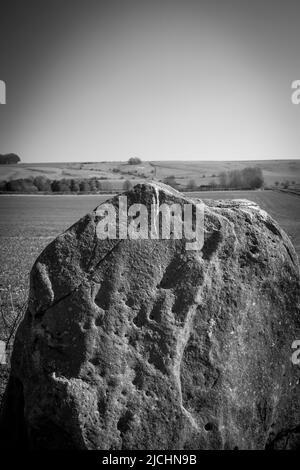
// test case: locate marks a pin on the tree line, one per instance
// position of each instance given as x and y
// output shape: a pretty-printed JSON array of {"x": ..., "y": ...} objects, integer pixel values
[
  {"x": 64, "y": 185},
  {"x": 247, "y": 178}
]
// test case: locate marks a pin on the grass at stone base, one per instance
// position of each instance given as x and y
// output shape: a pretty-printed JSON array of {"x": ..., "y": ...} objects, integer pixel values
[{"x": 17, "y": 255}]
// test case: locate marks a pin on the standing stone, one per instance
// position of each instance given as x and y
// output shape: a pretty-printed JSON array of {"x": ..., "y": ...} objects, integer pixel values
[{"x": 143, "y": 344}]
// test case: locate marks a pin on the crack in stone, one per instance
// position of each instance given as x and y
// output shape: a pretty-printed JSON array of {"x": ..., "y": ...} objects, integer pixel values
[{"x": 89, "y": 277}]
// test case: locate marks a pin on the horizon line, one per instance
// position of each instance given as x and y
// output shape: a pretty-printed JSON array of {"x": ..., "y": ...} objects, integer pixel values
[{"x": 159, "y": 161}]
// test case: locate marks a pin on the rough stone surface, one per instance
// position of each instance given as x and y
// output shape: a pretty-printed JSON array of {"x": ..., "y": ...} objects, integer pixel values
[{"x": 144, "y": 345}]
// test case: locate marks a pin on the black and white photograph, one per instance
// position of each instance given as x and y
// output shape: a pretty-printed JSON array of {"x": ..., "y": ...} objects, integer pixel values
[{"x": 149, "y": 228}]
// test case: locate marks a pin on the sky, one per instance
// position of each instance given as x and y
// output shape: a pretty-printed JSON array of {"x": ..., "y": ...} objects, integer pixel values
[{"x": 93, "y": 80}]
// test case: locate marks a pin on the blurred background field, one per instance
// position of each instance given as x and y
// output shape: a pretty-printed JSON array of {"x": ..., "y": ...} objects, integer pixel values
[{"x": 112, "y": 175}]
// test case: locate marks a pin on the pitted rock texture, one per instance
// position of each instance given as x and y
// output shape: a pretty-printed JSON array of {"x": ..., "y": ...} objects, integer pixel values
[{"x": 141, "y": 344}]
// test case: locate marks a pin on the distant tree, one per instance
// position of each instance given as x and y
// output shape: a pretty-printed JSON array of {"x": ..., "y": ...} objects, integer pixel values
[
  {"x": 84, "y": 186},
  {"x": 252, "y": 177},
  {"x": 276, "y": 183},
  {"x": 74, "y": 186},
  {"x": 127, "y": 185},
  {"x": 191, "y": 185},
  {"x": 9, "y": 159},
  {"x": 3, "y": 185},
  {"x": 106, "y": 185},
  {"x": 223, "y": 179},
  {"x": 98, "y": 185},
  {"x": 61, "y": 186},
  {"x": 134, "y": 161},
  {"x": 93, "y": 185},
  {"x": 42, "y": 183},
  {"x": 66, "y": 184},
  {"x": 54, "y": 186},
  {"x": 171, "y": 181},
  {"x": 235, "y": 179},
  {"x": 286, "y": 184}
]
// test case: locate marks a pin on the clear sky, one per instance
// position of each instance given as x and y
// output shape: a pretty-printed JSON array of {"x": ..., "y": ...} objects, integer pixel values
[{"x": 107, "y": 80}]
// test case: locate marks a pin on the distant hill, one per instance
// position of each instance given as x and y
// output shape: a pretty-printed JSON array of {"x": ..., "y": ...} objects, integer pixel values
[
  {"x": 115, "y": 173},
  {"x": 9, "y": 159}
]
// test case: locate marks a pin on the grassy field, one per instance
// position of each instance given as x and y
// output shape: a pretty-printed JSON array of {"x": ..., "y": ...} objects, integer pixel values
[
  {"x": 29, "y": 223},
  {"x": 115, "y": 173}
]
